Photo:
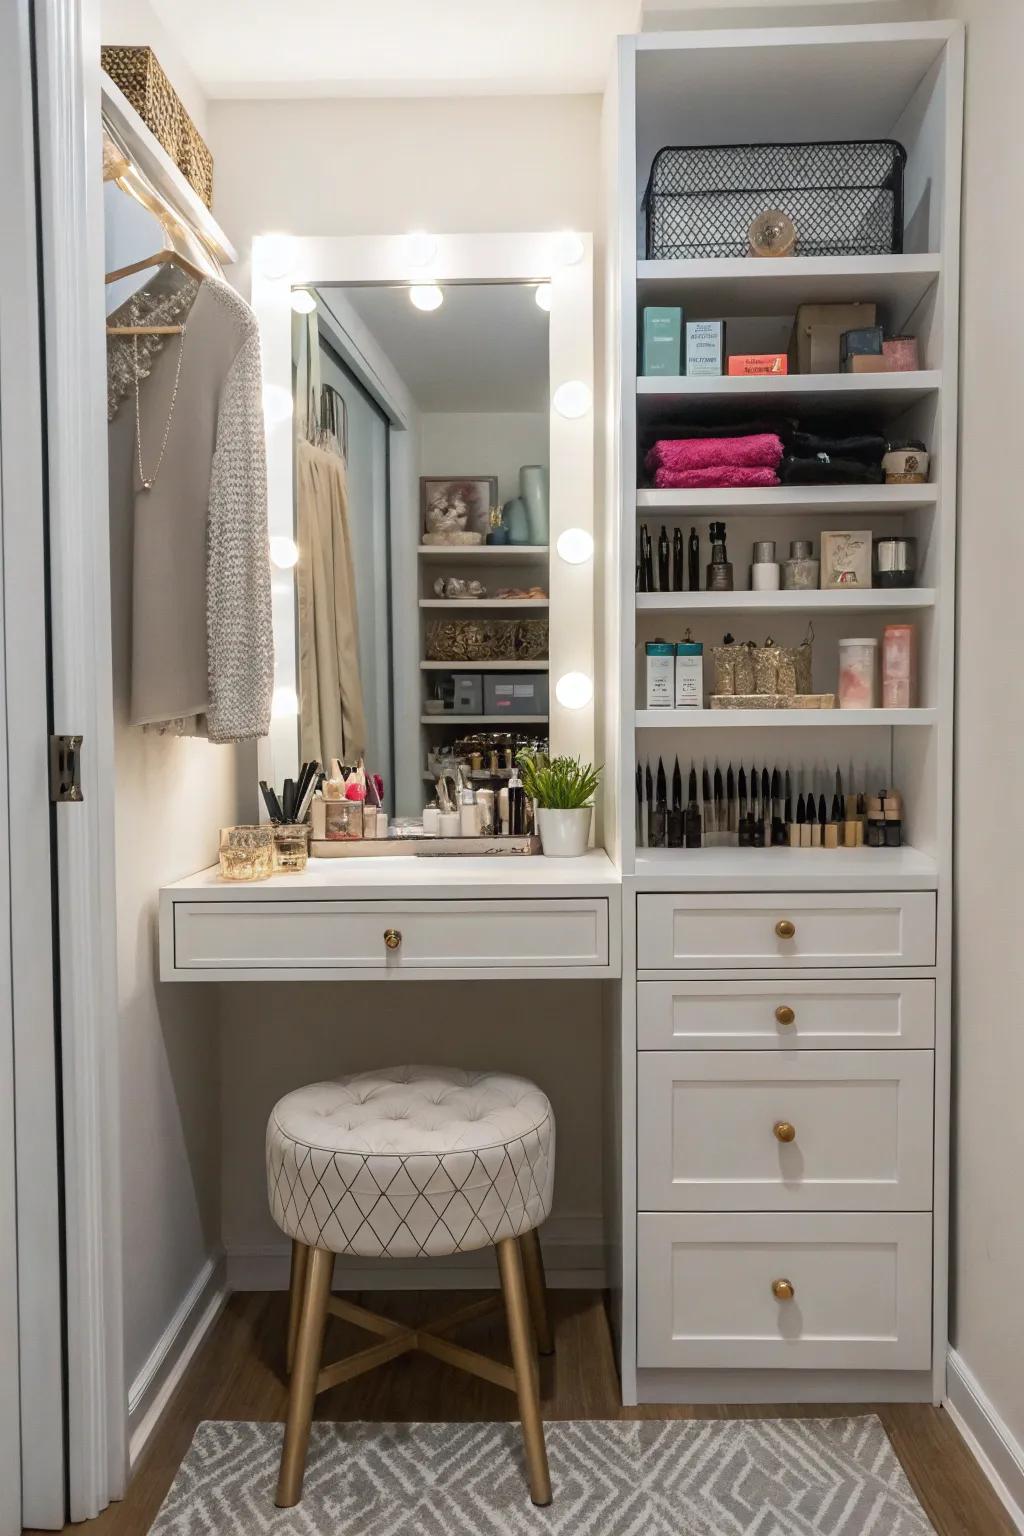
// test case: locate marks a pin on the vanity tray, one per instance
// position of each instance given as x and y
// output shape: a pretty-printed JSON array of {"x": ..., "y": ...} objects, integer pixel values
[{"x": 422, "y": 847}]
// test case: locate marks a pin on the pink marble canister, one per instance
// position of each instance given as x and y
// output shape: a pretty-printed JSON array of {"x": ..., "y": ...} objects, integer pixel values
[{"x": 901, "y": 352}]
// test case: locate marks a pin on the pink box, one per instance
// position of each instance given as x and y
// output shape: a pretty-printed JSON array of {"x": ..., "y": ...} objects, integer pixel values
[{"x": 899, "y": 666}]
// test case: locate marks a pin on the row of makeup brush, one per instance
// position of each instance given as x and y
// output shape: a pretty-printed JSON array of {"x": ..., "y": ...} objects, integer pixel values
[{"x": 765, "y": 808}]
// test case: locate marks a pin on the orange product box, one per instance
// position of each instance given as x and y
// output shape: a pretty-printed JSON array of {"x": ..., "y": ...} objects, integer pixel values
[{"x": 756, "y": 363}]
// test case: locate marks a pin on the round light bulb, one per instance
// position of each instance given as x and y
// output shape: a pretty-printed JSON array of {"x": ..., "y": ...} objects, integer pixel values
[
  {"x": 567, "y": 249},
  {"x": 285, "y": 704},
  {"x": 420, "y": 248},
  {"x": 574, "y": 690},
  {"x": 302, "y": 301},
  {"x": 426, "y": 296},
  {"x": 543, "y": 297},
  {"x": 572, "y": 399},
  {"x": 575, "y": 546},
  {"x": 275, "y": 255},
  {"x": 277, "y": 404},
  {"x": 284, "y": 552}
]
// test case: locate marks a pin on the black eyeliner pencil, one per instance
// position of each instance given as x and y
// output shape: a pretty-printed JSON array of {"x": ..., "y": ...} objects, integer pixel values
[
  {"x": 721, "y": 824},
  {"x": 742, "y": 793},
  {"x": 788, "y": 811},
  {"x": 730, "y": 795}
]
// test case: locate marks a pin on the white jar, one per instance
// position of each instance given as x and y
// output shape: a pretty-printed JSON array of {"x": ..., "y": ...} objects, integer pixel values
[
  {"x": 858, "y": 674},
  {"x": 431, "y": 820}
]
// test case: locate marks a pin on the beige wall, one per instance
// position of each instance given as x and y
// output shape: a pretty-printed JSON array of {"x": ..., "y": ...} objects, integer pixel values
[
  {"x": 380, "y": 167},
  {"x": 988, "y": 1255}
]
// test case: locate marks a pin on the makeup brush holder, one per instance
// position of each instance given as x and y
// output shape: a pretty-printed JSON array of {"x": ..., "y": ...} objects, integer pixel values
[{"x": 291, "y": 848}]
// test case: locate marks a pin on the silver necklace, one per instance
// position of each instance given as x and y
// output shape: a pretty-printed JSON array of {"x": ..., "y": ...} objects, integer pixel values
[{"x": 148, "y": 483}]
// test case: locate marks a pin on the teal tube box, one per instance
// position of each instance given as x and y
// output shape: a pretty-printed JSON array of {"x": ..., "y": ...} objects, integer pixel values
[{"x": 662, "y": 340}]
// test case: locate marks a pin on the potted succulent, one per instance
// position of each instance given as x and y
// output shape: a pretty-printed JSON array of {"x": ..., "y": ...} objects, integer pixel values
[{"x": 562, "y": 789}]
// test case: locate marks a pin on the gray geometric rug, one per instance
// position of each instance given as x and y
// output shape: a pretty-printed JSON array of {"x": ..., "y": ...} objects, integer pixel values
[{"x": 719, "y": 1477}]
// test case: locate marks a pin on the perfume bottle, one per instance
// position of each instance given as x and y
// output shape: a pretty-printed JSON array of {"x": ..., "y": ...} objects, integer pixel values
[{"x": 720, "y": 569}]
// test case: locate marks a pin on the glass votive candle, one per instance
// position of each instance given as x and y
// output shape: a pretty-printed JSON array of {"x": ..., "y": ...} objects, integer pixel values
[
  {"x": 343, "y": 820},
  {"x": 246, "y": 853},
  {"x": 291, "y": 848}
]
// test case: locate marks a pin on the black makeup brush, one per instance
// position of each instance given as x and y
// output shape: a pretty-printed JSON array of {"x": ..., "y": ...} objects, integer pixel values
[
  {"x": 730, "y": 800},
  {"x": 660, "y": 808},
  {"x": 812, "y": 822},
  {"x": 677, "y": 560},
  {"x": 742, "y": 782},
  {"x": 788, "y": 808},
  {"x": 663, "y": 576},
  {"x": 649, "y": 786},
  {"x": 721, "y": 822},
  {"x": 675, "y": 815},
  {"x": 778, "y": 825},
  {"x": 639, "y": 805},
  {"x": 708, "y": 805},
  {"x": 691, "y": 787}
]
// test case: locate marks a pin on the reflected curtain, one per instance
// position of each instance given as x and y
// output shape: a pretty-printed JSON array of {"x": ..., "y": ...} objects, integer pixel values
[{"x": 332, "y": 715}]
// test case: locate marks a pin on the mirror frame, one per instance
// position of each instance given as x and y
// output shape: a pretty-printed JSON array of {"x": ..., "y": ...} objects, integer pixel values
[{"x": 283, "y": 262}]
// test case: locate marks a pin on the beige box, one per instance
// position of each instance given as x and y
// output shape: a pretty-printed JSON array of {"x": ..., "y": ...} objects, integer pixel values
[{"x": 814, "y": 342}]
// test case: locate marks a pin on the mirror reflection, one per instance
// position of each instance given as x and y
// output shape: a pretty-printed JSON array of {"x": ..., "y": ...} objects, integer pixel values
[{"x": 421, "y": 532}]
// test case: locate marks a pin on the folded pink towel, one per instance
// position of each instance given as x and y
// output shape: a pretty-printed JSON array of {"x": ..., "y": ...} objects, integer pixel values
[
  {"x": 722, "y": 475},
  {"x": 762, "y": 450}
]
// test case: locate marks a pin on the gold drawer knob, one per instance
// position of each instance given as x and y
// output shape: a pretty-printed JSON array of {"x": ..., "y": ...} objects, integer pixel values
[
  {"x": 392, "y": 938},
  {"x": 784, "y": 1014},
  {"x": 783, "y": 1290},
  {"x": 785, "y": 929},
  {"x": 783, "y": 1131}
]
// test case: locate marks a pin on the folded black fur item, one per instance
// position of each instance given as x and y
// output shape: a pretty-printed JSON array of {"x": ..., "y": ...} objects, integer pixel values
[
  {"x": 826, "y": 470},
  {"x": 864, "y": 447}
]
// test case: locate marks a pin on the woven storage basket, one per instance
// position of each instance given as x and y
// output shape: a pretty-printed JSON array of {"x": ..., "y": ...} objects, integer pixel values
[{"x": 137, "y": 73}]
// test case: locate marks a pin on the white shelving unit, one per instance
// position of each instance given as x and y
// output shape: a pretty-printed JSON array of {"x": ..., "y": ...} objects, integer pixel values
[{"x": 695, "y": 950}]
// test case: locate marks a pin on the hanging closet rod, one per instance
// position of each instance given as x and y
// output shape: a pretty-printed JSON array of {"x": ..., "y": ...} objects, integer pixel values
[{"x": 144, "y": 330}]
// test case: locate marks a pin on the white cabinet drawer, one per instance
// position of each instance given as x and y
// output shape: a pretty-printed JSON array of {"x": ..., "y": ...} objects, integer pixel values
[
  {"x": 336, "y": 936},
  {"x": 861, "y": 1291},
  {"x": 785, "y": 1015},
  {"x": 811, "y": 1131},
  {"x": 785, "y": 932}
]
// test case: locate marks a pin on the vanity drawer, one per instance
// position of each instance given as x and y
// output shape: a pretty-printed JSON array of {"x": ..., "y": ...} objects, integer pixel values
[
  {"x": 784, "y": 1015},
  {"x": 338, "y": 936},
  {"x": 861, "y": 1289},
  {"x": 785, "y": 932},
  {"x": 815, "y": 1131}
]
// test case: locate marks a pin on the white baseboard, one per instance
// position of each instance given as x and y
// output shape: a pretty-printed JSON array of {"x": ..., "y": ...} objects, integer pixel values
[
  {"x": 989, "y": 1440},
  {"x": 574, "y": 1258},
  {"x": 166, "y": 1364}
]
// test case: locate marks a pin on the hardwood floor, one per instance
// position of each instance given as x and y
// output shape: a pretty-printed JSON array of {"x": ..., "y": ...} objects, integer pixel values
[{"x": 236, "y": 1376}]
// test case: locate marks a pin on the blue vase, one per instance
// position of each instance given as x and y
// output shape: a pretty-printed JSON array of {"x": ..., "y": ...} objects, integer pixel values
[
  {"x": 516, "y": 519},
  {"x": 533, "y": 488}
]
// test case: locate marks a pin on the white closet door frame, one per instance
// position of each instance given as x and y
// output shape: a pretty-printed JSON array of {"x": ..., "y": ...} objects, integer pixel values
[
  {"x": 67, "y": 45},
  {"x": 32, "y": 1453}
]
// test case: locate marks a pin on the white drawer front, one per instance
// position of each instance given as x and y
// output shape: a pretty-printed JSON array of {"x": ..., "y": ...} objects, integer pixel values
[
  {"x": 784, "y": 1015},
  {"x": 861, "y": 1291},
  {"x": 785, "y": 932},
  {"x": 707, "y": 1128},
  {"x": 435, "y": 935}
]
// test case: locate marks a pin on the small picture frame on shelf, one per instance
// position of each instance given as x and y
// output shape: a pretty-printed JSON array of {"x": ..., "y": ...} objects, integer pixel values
[
  {"x": 846, "y": 560},
  {"x": 452, "y": 506}
]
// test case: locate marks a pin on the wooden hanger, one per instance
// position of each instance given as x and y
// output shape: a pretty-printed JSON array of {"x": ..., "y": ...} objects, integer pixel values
[{"x": 181, "y": 248}]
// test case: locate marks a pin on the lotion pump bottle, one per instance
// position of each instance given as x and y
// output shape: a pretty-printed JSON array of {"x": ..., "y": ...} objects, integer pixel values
[{"x": 469, "y": 812}]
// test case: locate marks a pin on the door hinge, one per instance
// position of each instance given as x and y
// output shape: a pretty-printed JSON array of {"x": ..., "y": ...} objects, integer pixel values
[{"x": 65, "y": 768}]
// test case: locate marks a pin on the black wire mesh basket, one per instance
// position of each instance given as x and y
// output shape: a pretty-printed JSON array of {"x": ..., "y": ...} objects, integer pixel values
[{"x": 845, "y": 198}]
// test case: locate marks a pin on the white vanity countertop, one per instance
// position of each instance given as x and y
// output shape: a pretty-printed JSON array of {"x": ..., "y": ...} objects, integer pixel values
[{"x": 531, "y": 876}]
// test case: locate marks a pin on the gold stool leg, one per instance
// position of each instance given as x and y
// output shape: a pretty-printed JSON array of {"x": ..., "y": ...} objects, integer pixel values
[
  {"x": 524, "y": 1363},
  {"x": 302, "y": 1390},
  {"x": 536, "y": 1290},
  {"x": 296, "y": 1290}
]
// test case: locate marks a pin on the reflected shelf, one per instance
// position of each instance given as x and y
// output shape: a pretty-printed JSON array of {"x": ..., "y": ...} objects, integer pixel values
[
  {"x": 496, "y": 552},
  {"x": 484, "y": 666},
  {"x": 868, "y": 600},
  {"x": 485, "y": 602},
  {"x": 483, "y": 719},
  {"x": 741, "y": 719}
]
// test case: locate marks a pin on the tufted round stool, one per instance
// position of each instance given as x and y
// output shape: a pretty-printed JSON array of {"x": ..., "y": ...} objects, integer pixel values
[{"x": 412, "y": 1162}]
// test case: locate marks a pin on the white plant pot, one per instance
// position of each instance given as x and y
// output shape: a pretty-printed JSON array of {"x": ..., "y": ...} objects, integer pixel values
[{"x": 564, "y": 834}]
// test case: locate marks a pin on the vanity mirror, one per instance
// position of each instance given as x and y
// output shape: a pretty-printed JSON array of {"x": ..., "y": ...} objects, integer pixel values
[{"x": 429, "y": 412}]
